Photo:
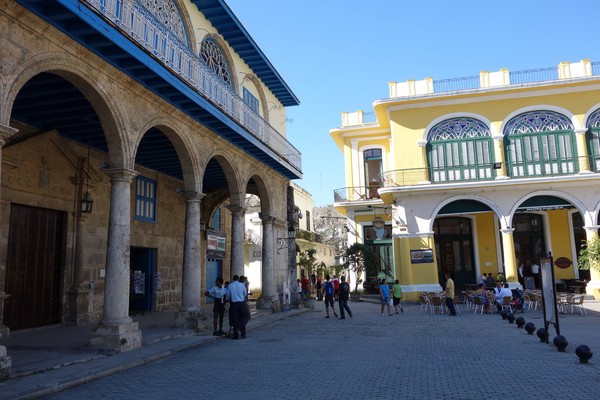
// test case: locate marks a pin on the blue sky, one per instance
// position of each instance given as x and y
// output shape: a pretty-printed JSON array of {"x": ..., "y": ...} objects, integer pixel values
[{"x": 339, "y": 55}]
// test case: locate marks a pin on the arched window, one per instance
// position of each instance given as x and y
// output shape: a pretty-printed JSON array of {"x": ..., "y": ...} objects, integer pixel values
[
  {"x": 460, "y": 149},
  {"x": 167, "y": 13},
  {"x": 593, "y": 140},
  {"x": 540, "y": 143},
  {"x": 215, "y": 60}
]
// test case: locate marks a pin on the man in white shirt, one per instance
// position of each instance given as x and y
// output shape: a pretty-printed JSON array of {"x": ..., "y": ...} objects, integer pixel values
[
  {"x": 535, "y": 272},
  {"x": 236, "y": 292},
  {"x": 500, "y": 292}
]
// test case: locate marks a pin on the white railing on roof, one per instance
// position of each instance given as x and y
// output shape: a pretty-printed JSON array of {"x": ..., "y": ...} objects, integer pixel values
[{"x": 138, "y": 23}]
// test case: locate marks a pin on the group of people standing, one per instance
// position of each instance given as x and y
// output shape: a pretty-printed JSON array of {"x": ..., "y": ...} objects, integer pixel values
[{"x": 236, "y": 294}]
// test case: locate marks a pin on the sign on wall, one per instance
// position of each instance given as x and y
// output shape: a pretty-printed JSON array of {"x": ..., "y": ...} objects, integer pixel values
[
  {"x": 215, "y": 244},
  {"x": 421, "y": 256}
]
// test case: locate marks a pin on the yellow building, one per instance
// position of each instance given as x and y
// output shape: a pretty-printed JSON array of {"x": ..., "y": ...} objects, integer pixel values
[{"x": 477, "y": 175}]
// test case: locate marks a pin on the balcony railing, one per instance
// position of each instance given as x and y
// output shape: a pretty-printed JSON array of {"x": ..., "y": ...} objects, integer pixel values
[
  {"x": 473, "y": 173},
  {"x": 309, "y": 236},
  {"x": 139, "y": 24},
  {"x": 357, "y": 193}
]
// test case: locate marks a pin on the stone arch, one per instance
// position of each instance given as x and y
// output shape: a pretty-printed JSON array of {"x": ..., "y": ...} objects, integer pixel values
[
  {"x": 232, "y": 175},
  {"x": 171, "y": 129},
  {"x": 565, "y": 196},
  {"x": 104, "y": 103},
  {"x": 594, "y": 110},
  {"x": 266, "y": 207},
  {"x": 494, "y": 207},
  {"x": 187, "y": 23}
]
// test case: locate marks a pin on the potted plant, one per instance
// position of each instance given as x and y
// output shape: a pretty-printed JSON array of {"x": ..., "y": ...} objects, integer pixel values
[{"x": 358, "y": 257}]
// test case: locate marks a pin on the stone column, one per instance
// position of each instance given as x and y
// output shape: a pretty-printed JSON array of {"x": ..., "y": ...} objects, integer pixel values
[
  {"x": 79, "y": 293},
  {"x": 593, "y": 286},
  {"x": 510, "y": 262},
  {"x": 499, "y": 156},
  {"x": 269, "y": 297},
  {"x": 191, "y": 315},
  {"x": 116, "y": 330},
  {"x": 295, "y": 299},
  {"x": 237, "y": 239},
  {"x": 5, "y": 360},
  {"x": 584, "y": 159}
]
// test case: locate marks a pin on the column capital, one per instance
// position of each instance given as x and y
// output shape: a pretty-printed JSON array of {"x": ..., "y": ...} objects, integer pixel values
[
  {"x": 498, "y": 137},
  {"x": 267, "y": 219},
  {"x": 237, "y": 210},
  {"x": 507, "y": 231},
  {"x": 592, "y": 228},
  {"x": 581, "y": 131},
  {"x": 193, "y": 196},
  {"x": 121, "y": 174}
]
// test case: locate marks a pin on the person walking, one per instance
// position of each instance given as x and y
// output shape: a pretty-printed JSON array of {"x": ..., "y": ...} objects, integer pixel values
[
  {"x": 218, "y": 293},
  {"x": 384, "y": 296},
  {"x": 319, "y": 289},
  {"x": 397, "y": 296},
  {"x": 329, "y": 291},
  {"x": 450, "y": 295},
  {"x": 237, "y": 296},
  {"x": 343, "y": 297}
]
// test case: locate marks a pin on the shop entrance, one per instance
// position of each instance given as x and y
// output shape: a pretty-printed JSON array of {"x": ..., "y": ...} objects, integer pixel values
[{"x": 454, "y": 249}]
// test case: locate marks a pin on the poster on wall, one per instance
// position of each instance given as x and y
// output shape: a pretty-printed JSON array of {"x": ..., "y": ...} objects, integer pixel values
[
  {"x": 215, "y": 244},
  {"x": 421, "y": 256}
]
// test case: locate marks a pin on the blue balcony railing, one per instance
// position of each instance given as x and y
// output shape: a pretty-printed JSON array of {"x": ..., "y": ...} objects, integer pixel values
[{"x": 139, "y": 24}]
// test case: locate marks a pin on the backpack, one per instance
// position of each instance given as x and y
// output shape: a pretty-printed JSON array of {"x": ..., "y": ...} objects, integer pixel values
[{"x": 328, "y": 288}]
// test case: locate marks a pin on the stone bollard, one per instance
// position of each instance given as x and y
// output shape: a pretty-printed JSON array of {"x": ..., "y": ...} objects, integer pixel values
[
  {"x": 560, "y": 342},
  {"x": 5, "y": 364},
  {"x": 520, "y": 321},
  {"x": 584, "y": 353},
  {"x": 542, "y": 333},
  {"x": 510, "y": 317},
  {"x": 530, "y": 328},
  {"x": 503, "y": 314}
]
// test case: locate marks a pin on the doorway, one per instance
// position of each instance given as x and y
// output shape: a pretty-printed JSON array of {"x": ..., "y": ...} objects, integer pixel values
[
  {"x": 454, "y": 249},
  {"x": 143, "y": 265},
  {"x": 33, "y": 268}
]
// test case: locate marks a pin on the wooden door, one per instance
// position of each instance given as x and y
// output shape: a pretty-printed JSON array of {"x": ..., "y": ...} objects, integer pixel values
[{"x": 35, "y": 255}]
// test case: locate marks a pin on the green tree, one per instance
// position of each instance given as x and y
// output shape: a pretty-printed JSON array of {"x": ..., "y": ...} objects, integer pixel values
[
  {"x": 358, "y": 257},
  {"x": 307, "y": 259},
  {"x": 589, "y": 256}
]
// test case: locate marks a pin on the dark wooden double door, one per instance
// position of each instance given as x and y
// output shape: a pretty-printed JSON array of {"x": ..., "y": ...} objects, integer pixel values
[{"x": 33, "y": 270}]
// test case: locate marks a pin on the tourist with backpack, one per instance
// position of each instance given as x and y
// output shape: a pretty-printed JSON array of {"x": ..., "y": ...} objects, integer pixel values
[
  {"x": 329, "y": 291},
  {"x": 343, "y": 297}
]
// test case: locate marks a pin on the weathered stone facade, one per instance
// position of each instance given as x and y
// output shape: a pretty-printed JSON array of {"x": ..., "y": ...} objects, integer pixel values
[{"x": 42, "y": 168}]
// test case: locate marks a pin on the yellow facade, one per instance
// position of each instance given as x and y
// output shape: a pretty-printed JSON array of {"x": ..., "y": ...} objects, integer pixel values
[{"x": 486, "y": 178}]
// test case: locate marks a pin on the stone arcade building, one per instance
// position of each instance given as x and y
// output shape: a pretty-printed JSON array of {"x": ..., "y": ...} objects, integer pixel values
[{"x": 163, "y": 114}]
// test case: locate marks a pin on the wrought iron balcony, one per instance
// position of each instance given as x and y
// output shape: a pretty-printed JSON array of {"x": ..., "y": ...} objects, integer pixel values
[
  {"x": 408, "y": 177},
  {"x": 139, "y": 24}
]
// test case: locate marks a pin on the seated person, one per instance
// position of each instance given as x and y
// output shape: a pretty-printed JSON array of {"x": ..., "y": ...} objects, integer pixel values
[
  {"x": 500, "y": 292},
  {"x": 490, "y": 281},
  {"x": 482, "y": 293}
]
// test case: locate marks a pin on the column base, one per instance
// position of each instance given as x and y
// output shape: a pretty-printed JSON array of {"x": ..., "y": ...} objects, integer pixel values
[
  {"x": 117, "y": 337},
  {"x": 269, "y": 302},
  {"x": 191, "y": 319},
  {"x": 593, "y": 288},
  {"x": 5, "y": 364},
  {"x": 4, "y": 331}
]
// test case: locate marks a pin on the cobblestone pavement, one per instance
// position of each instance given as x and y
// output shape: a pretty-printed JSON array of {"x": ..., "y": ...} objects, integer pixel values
[{"x": 412, "y": 355}]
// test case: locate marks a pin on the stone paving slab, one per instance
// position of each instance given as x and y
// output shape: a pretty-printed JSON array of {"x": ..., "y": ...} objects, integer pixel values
[{"x": 413, "y": 355}]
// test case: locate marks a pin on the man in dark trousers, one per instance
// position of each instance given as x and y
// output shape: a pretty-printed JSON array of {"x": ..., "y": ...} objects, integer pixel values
[
  {"x": 236, "y": 292},
  {"x": 343, "y": 297}
]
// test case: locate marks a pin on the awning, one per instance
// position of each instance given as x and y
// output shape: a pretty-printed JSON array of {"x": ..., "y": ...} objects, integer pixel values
[{"x": 543, "y": 203}]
